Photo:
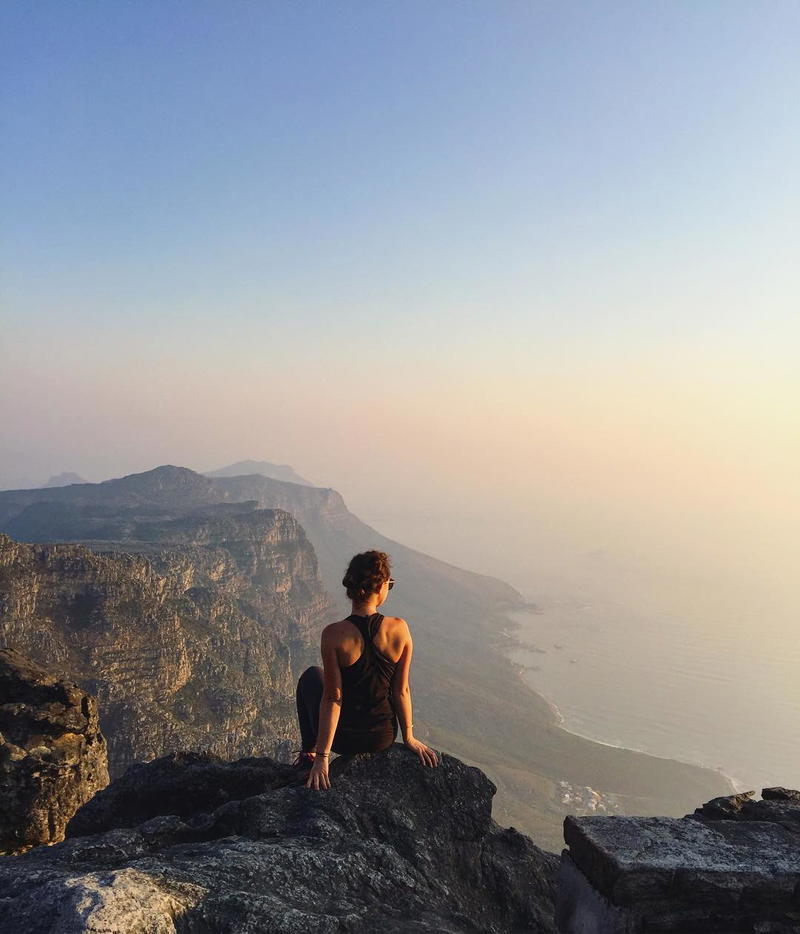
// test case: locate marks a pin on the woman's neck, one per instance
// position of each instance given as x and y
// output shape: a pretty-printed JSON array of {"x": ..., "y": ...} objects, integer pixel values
[{"x": 364, "y": 609}]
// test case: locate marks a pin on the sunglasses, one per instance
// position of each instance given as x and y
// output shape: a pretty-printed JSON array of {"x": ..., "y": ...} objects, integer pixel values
[{"x": 392, "y": 582}]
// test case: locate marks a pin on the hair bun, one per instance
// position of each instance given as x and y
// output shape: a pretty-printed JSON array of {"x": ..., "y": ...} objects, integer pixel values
[{"x": 366, "y": 574}]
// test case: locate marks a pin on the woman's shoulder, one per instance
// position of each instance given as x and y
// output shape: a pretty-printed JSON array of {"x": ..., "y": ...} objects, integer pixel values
[
  {"x": 395, "y": 622},
  {"x": 395, "y": 636},
  {"x": 394, "y": 627}
]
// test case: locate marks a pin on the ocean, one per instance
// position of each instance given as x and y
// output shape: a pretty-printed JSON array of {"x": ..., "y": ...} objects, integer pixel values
[
  {"x": 692, "y": 666},
  {"x": 715, "y": 695}
]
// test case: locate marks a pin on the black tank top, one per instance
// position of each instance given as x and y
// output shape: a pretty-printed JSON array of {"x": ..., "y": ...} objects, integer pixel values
[{"x": 367, "y": 721}]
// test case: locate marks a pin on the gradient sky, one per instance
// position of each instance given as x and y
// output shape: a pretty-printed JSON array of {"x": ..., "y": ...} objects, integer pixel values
[{"x": 537, "y": 261}]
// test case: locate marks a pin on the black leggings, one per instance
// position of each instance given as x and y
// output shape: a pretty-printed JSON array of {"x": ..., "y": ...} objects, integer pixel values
[{"x": 309, "y": 696}]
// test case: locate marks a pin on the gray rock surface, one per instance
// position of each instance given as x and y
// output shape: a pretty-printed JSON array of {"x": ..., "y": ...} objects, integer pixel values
[
  {"x": 52, "y": 754},
  {"x": 183, "y": 784},
  {"x": 391, "y": 846},
  {"x": 733, "y": 865}
]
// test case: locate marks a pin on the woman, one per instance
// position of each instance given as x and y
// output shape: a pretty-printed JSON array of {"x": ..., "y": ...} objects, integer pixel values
[{"x": 353, "y": 704}]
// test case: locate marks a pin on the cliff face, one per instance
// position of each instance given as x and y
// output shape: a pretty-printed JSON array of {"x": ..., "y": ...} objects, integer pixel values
[
  {"x": 52, "y": 753},
  {"x": 186, "y": 632},
  {"x": 391, "y": 846}
]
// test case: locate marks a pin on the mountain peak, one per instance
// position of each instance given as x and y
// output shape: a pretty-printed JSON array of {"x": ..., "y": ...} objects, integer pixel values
[
  {"x": 265, "y": 468},
  {"x": 162, "y": 471},
  {"x": 163, "y": 477}
]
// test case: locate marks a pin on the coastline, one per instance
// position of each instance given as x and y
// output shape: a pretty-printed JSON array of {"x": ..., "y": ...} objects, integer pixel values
[{"x": 509, "y": 639}]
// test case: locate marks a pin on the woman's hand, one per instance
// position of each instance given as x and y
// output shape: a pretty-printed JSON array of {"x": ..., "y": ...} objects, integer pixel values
[
  {"x": 318, "y": 776},
  {"x": 427, "y": 756}
]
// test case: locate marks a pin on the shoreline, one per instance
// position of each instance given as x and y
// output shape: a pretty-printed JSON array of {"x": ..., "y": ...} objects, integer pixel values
[
  {"x": 510, "y": 640},
  {"x": 738, "y": 787}
]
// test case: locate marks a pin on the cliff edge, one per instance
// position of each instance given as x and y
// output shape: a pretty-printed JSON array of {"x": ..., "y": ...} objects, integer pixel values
[{"x": 192, "y": 843}]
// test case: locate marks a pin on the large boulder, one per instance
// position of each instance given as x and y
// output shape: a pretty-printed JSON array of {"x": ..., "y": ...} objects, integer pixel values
[
  {"x": 392, "y": 845},
  {"x": 183, "y": 784},
  {"x": 52, "y": 753},
  {"x": 733, "y": 865}
]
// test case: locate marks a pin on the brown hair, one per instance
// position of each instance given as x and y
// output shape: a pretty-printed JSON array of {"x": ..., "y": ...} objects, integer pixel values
[{"x": 366, "y": 574}]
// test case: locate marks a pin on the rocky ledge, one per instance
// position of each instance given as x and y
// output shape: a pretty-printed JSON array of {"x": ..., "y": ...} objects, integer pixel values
[
  {"x": 191, "y": 843},
  {"x": 732, "y": 866},
  {"x": 52, "y": 753}
]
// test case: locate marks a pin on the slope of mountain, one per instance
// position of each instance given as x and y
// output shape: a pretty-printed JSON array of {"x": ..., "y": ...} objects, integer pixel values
[
  {"x": 17, "y": 483},
  {"x": 468, "y": 697},
  {"x": 62, "y": 479},
  {"x": 165, "y": 490},
  {"x": 264, "y": 468}
]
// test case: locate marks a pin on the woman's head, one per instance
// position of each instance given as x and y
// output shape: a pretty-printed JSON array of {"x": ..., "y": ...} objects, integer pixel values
[{"x": 366, "y": 574}]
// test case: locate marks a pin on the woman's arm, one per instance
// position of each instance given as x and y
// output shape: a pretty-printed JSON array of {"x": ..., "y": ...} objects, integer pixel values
[
  {"x": 329, "y": 708},
  {"x": 401, "y": 689},
  {"x": 401, "y": 695},
  {"x": 331, "y": 704}
]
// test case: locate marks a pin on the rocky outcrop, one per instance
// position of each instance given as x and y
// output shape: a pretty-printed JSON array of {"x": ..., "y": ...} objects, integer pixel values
[
  {"x": 733, "y": 865},
  {"x": 52, "y": 753},
  {"x": 189, "y": 632},
  {"x": 391, "y": 846}
]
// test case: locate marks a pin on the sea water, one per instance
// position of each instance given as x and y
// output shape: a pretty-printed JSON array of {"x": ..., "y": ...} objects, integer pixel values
[{"x": 660, "y": 683}]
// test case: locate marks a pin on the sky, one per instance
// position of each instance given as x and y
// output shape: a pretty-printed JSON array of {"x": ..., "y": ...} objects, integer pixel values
[{"x": 532, "y": 265}]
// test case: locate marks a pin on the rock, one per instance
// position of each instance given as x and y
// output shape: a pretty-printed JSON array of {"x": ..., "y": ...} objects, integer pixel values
[
  {"x": 392, "y": 845},
  {"x": 780, "y": 794},
  {"x": 52, "y": 753},
  {"x": 182, "y": 784},
  {"x": 726, "y": 807},
  {"x": 778, "y": 805},
  {"x": 733, "y": 865}
]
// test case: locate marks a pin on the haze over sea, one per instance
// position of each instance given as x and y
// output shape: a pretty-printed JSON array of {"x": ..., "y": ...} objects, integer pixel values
[{"x": 670, "y": 662}]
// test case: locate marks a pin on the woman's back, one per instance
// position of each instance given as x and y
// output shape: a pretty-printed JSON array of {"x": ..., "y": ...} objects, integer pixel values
[
  {"x": 388, "y": 637},
  {"x": 367, "y": 722}
]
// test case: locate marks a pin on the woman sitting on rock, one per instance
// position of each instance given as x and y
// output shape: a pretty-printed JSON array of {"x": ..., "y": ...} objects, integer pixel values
[{"x": 353, "y": 704}]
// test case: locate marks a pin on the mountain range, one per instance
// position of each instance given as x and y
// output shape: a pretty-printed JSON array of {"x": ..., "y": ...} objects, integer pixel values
[{"x": 202, "y": 597}]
